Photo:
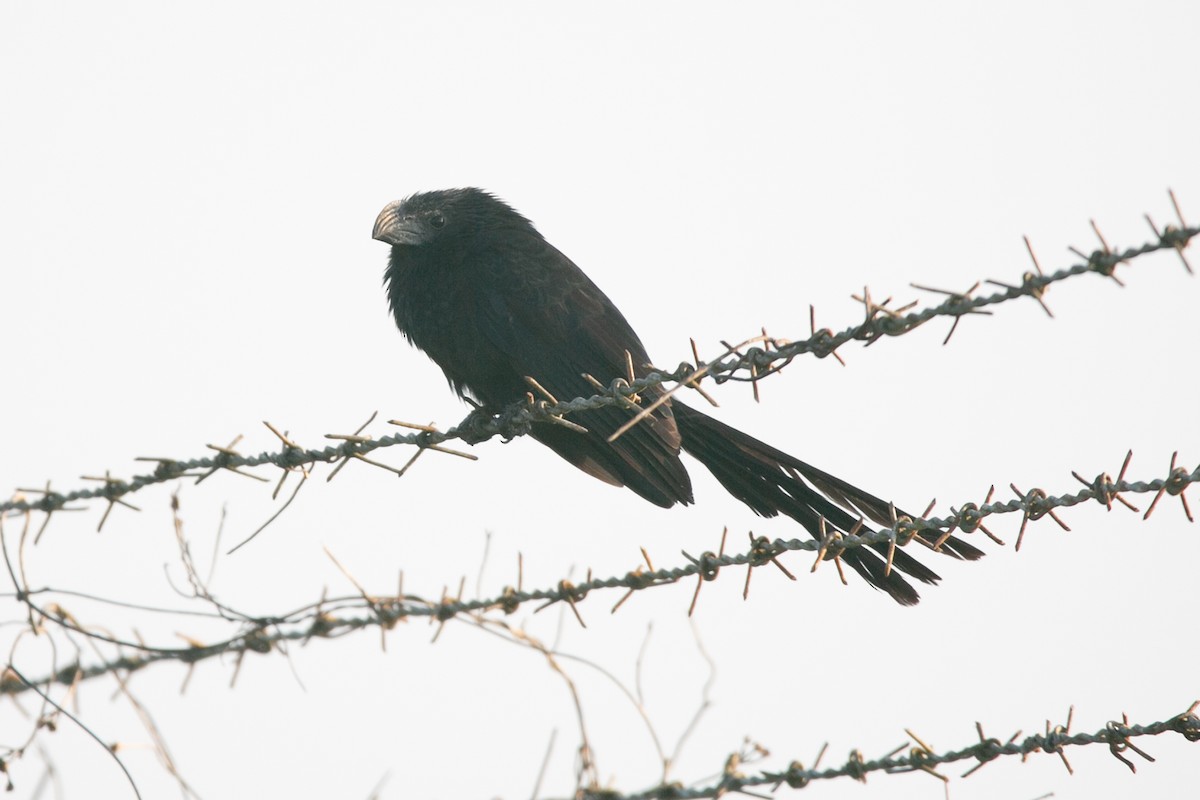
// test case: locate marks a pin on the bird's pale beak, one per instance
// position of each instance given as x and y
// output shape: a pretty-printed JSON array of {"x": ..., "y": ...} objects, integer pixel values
[{"x": 395, "y": 228}]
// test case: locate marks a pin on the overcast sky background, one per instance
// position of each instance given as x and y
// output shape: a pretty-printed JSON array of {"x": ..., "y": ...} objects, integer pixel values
[{"x": 186, "y": 198}]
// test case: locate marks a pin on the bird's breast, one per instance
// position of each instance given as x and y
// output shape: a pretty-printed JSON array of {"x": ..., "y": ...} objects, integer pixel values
[{"x": 437, "y": 306}]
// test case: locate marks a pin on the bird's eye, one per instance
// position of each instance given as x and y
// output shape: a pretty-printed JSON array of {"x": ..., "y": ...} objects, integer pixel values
[{"x": 437, "y": 220}]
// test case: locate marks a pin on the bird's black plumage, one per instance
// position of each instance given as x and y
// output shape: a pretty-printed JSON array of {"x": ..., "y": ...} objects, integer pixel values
[{"x": 472, "y": 283}]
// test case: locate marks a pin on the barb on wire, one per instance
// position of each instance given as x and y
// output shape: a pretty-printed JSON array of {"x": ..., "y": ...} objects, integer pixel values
[{"x": 751, "y": 364}]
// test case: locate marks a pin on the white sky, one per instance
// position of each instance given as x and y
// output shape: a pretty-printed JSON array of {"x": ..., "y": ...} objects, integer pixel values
[{"x": 187, "y": 197}]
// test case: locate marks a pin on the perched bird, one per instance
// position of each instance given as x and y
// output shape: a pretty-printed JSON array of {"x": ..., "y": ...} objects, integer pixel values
[{"x": 472, "y": 283}]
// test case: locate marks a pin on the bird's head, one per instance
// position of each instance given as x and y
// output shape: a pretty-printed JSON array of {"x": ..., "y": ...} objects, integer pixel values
[{"x": 427, "y": 218}]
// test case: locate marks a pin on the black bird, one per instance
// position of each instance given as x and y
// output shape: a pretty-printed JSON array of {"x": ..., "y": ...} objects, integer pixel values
[{"x": 472, "y": 283}]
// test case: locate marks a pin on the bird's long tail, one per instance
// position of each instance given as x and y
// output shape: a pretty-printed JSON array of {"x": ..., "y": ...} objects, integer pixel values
[{"x": 772, "y": 482}]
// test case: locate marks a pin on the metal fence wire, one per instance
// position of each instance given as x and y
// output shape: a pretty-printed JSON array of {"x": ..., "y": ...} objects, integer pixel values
[{"x": 24, "y": 519}]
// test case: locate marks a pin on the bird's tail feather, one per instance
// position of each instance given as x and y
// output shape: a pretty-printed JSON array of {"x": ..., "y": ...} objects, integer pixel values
[{"x": 772, "y": 482}]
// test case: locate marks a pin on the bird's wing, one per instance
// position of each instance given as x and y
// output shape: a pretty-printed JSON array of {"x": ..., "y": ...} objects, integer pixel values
[{"x": 553, "y": 324}]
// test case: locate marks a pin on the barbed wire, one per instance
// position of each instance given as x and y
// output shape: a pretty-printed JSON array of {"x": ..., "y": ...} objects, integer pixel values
[
  {"x": 754, "y": 364},
  {"x": 920, "y": 758},
  {"x": 329, "y": 618},
  {"x": 749, "y": 361}
]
